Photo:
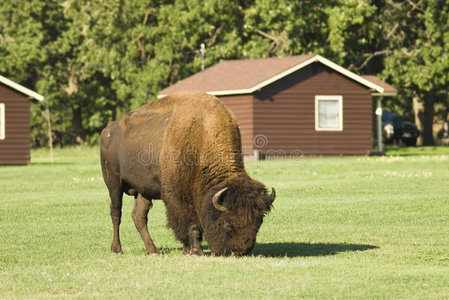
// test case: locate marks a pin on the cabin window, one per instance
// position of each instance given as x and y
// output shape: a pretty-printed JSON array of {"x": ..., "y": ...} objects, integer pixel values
[
  {"x": 328, "y": 113},
  {"x": 2, "y": 121}
]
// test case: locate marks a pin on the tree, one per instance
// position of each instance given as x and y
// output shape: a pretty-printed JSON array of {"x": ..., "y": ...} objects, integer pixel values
[
  {"x": 419, "y": 63},
  {"x": 95, "y": 60},
  {"x": 185, "y": 24},
  {"x": 279, "y": 28},
  {"x": 84, "y": 56},
  {"x": 354, "y": 31}
]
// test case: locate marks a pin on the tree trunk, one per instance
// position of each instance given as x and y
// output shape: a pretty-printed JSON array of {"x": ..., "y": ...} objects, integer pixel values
[
  {"x": 50, "y": 135},
  {"x": 429, "y": 110},
  {"x": 77, "y": 125},
  {"x": 417, "y": 110},
  {"x": 77, "y": 121}
]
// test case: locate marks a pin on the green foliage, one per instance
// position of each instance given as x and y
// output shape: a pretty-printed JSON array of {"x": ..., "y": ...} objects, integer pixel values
[
  {"x": 419, "y": 62},
  {"x": 345, "y": 228},
  {"x": 352, "y": 30},
  {"x": 280, "y": 28},
  {"x": 96, "y": 60},
  {"x": 184, "y": 25}
]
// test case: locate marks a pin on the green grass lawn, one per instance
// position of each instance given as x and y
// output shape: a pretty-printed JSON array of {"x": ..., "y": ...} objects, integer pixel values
[{"x": 358, "y": 227}]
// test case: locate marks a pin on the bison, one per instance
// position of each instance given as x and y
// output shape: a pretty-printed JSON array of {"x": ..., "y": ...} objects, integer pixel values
[{"x": 186, "y": 150}]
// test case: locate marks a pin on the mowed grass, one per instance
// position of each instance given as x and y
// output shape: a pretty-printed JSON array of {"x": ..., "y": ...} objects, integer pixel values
[{"x": 358, "y": 227}]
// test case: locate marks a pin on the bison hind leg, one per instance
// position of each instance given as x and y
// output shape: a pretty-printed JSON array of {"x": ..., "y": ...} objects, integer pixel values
[
  {"x": 116, "y": 215},
  {"x": 140, "y": 217}
]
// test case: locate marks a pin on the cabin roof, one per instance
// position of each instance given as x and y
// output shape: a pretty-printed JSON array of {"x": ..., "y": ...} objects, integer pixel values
[
  {"x": 21, "y": 88},
  {"x": 249, "y": 75}
]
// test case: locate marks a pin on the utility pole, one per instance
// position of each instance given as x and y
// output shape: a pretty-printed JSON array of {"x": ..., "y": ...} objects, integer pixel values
[
  {"x": 380, "y": 151},
  {"x": 379, "y": 126},
  {"x": 203, "y": 54}
]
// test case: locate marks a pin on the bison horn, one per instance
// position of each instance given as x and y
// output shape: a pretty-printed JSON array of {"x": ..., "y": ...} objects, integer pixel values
[
  {"x": 273, "y": 195},
  {"x": 216, "y": 200}
]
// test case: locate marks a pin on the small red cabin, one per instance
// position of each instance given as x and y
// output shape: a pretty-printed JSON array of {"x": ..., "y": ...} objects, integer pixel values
[
  {"x": 15, "y": 122},
  {"x": 292, "y": 106}
]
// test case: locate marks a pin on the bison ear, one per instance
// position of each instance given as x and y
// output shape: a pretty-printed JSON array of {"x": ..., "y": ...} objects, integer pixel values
[{"x": 217, "y": 202}]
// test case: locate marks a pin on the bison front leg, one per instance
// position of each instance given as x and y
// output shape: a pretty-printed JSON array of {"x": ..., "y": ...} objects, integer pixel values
[
  {"x": 194, "y": 245},
  {"x": 140, "y": 218}
]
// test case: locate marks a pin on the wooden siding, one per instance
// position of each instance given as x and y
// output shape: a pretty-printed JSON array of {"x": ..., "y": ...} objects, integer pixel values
[
  {"x": 242, "y": 107},
  {"x": 284, "y": 112},
  {"x": 15, "y": 148}
]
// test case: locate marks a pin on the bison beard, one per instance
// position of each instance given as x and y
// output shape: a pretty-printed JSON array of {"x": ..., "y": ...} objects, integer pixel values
[{"x": 186, "y": 150}]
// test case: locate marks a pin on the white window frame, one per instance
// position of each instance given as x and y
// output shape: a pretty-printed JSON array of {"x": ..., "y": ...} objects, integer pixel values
[
  {"x": 338, "y": 98},
  {"x": 2, "y": 121}
]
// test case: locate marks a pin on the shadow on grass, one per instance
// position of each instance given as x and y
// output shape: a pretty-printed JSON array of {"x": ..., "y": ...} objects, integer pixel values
[
  {"x": 170, "y": 250},
  {"x": 394, "y": 150},
  {"x": 306, "y": 249},
  {"x": 292, "y": 249}
]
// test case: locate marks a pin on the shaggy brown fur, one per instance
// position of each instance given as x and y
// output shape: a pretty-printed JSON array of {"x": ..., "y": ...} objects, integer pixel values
[{"x": 183, "y": 149}]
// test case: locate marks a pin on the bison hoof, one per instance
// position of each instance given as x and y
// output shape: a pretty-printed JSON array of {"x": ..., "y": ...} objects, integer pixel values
[
  {"x": 117, "y": 249},
  {"x": 153, "y": 252},
  {"x": 192, "y": 251},
  {"x": 196, "y": 252}
]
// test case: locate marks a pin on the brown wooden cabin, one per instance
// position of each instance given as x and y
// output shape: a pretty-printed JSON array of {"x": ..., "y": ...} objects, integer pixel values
[
  {"x": 293, "y": 106},
  {"x": 15, "y": 122}
]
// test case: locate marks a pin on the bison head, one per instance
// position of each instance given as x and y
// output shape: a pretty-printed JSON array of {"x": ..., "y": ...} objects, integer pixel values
[{"x": 234, "y": 218}]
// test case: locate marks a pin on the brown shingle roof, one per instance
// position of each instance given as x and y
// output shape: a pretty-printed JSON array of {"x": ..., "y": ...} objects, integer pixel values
[
  {"x": 236, "y": 74},
  {"x": 388, "y": 89},
  {"x": 20, "y": 88},
  {"x": 246, "y": 76}
]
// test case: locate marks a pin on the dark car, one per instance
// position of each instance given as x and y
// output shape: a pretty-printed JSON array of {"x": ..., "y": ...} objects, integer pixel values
[{"x": 396, "y": 130}]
